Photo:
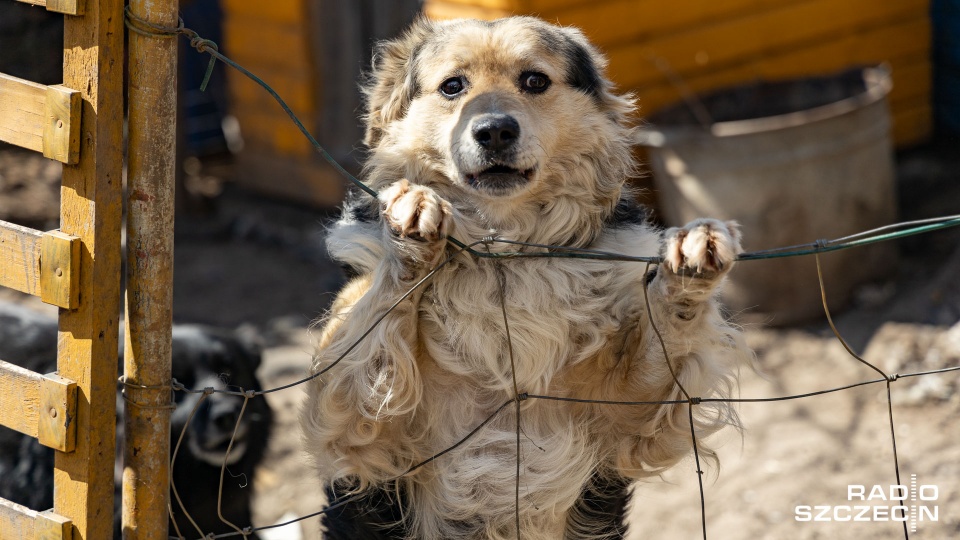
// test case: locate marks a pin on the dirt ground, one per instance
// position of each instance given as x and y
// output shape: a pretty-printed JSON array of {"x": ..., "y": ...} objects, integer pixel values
[{"x": 260, "y": 262}]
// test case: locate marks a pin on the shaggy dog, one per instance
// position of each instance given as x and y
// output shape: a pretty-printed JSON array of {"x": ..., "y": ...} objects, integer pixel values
[{"x": 508, "y": 130}]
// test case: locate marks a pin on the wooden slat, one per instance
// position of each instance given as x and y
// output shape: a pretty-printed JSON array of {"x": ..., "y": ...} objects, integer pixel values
[
  {"x": 19, "y": 398},
  {"x": 41, "y": 118},
  {"x": 90, "y": 208},
  {"x": 61, "y": 126},
  {"x": 21, "y": 523},
  {"x": 41, "y": 406},
  {"x": 56, "y": 424},
  {"x": 60, "y": 270},
  {"x": 22, "y": 108},
  {"x": 30, "y": 259},
  {"x": 20, "y": 258},
  {"x": 904, "y": 38},
  {"x": 67, "y": 7}
]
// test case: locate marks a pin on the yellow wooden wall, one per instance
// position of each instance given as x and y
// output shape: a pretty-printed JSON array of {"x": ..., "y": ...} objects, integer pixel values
[
  {"x": 269, "y": 39},
  {"x": 273, "y": 40},
  {"x": 717, "y": 43}
]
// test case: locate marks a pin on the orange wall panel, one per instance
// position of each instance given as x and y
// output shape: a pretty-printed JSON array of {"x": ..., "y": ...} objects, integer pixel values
[
  {"x": 640, "y": 19},
  {"x": 795, "y": 27},
  {"x": 282, "y": 11},
  {"x": 263, "y": 130},
  {"x": 913, "y": 124},
  {"x": 295, "y": 88},
  {"x": 277, "y": 45}
]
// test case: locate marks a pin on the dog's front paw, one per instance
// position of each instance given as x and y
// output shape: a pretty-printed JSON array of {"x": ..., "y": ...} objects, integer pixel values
[
  {"x": 416, "y": 212},
  {"x": 704, "y": 247}
]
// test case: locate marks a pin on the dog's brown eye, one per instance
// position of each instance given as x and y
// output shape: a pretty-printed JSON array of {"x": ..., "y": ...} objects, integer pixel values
[
  {"x": 452, "y": 86},
  {"x": 534, "y": 82}
]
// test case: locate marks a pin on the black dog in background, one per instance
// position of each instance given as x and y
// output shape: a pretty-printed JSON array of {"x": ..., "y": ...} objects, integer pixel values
[{"x": 202, "y": 357}]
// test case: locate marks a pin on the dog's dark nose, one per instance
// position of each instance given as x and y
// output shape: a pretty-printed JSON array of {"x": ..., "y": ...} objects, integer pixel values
[
  {"x": 496, "y": 132},
  {"x": 225, "y": 421},
  {"x": 224, "y": 416}
]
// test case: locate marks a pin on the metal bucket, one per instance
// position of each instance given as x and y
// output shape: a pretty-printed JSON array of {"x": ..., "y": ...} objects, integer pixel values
[{"x": 793, "y": 162}]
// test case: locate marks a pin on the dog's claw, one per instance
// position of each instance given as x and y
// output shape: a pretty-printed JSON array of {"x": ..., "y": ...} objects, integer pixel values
[
  {"x": 703, "y": 247},
  {"x": 416, "y": 212}
]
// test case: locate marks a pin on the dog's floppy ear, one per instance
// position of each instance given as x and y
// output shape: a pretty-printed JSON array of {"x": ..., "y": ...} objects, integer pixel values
[
  {"x": 392, "y": 82},
  {"x": 585, "y": 72}
]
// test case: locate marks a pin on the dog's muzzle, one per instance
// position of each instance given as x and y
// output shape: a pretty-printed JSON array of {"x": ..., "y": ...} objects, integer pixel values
[{"x": 497, "y": 135}]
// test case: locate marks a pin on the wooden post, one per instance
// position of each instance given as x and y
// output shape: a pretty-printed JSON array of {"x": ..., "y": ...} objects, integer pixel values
[
  {"x": 152, "y": 94},
  {"x": 90, "y": 209}
]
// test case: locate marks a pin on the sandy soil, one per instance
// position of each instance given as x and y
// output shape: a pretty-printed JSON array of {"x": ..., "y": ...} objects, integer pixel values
[{"x": 253, "y": 261}]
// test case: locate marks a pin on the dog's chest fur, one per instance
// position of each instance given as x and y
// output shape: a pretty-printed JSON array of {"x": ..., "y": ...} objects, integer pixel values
[
  {"x": 557, "y": 313},
  {"x": 560, "y": 313}
]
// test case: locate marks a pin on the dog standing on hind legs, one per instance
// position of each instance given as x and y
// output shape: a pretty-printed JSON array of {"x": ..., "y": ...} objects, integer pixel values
[{"x": 508, "y": 128}]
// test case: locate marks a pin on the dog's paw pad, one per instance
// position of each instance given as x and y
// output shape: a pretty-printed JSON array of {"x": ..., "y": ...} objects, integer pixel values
[
  {"x": 704, "y": 246},
  {"x": 416, "y": 212}
]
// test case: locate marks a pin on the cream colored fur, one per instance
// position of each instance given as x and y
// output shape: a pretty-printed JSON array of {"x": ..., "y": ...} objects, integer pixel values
[{"x": 438, "y": 365}]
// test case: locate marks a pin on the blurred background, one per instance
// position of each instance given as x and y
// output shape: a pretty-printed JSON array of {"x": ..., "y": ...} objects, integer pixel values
[{"x": 803, "y": 119}]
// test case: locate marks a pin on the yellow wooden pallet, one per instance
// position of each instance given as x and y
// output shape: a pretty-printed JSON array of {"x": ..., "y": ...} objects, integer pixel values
[{"x": 76, "y": 268}]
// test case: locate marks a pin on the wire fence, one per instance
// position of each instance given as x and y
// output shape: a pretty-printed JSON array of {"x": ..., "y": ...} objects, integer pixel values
[{"x": 462, "y": 249}]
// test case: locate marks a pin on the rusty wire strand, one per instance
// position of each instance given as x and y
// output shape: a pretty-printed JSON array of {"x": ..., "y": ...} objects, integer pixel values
[
  {"x": 833, "y": 327},
  {"x": 223, "y": 467},
  {"x": 691, "y": 400},
  {"x": 502, "y": 286},
  {"x": 889, "y": 379},
  {"x": 173, "y": 485}
]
